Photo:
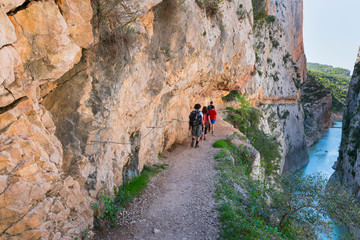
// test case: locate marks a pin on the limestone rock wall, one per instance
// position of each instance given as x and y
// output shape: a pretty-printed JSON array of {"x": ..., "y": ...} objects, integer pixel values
[
  {"x": 39, "y": 42},
  {"x": 290, "y": 14},
  {"x": 317, "y": 103},
  {"x": 347, "y": 166},
  {"x": 135, "y": 104},
  {"x": 88, "y": 97},
  {"x": 276, "y": 86}
]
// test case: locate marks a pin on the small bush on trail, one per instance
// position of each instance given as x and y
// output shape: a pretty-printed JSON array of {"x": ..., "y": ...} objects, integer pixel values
[
  {"x": 107, "y": 210},
  {"x": 221, "y": 144},
  {"x": 110, "y": 211},
  {"x": 222, "y": 154}
]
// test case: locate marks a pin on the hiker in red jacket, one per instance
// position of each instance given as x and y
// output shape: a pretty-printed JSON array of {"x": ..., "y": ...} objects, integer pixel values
[
  {"x": 206, "y": 122},
  {"x": 212, "y": 114}
]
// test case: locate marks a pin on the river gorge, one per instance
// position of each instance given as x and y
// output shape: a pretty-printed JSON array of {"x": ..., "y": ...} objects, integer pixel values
[
  {"x": 94, "y": 91},
  {"x": 323, "y": 154}
]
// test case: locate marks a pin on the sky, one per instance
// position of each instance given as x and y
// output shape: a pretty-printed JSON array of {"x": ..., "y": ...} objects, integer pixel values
[{"x": 332, "y": 32}]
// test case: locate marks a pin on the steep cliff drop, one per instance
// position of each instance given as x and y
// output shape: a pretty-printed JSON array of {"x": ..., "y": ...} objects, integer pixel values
[
  {"x": 347, "y": 168},
  {"x": 317, "y": 104},
  {"x": 281, "y": 69},
  {"x": 90, "y": 91}
]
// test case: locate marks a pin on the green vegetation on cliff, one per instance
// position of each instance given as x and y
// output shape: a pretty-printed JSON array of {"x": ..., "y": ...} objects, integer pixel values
[
  {"x": 271, "y": 206},
  {"x": 292, "y": 207},
  {"x": 337, "y": 80},
  {"x": 241, "y": 200},
  {"x": 247, "y": 120},
  {"x": 259, "y": 9}
]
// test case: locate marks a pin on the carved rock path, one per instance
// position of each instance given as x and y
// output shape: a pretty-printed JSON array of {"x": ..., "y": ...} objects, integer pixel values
[{"x": 178, "y": 203}]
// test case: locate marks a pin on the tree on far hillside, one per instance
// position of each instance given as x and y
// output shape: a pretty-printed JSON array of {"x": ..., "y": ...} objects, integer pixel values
[
  {"x": 328, "y": 69},
  {"x": 337, "y": 80}
]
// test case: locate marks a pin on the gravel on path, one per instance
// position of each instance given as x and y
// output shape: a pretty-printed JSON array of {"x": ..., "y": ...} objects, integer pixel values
[{"x": 178, "y": 203}]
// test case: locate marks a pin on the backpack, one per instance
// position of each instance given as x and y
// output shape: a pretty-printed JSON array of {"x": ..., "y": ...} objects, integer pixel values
[{"x": 195, "y": 118}]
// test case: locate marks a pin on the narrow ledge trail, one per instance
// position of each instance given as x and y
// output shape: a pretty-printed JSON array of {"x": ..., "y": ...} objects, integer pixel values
[{"x": 178, "y": 203}]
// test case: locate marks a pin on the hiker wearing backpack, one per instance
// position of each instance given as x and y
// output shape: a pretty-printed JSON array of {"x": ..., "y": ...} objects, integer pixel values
[
  {"x": 212, "y": 114},
  {"x": 196, "y": 125},
  {"x": 206, "y": 122}
]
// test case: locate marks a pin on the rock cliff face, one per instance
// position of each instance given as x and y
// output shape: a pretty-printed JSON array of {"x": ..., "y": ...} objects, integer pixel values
[
  {"x": 347, "y": 167},
  {"x": 83, "y": 106},
  {"x": 290, "y": 14},
  {"x": 39, "y": 43},
  {"x": 317, "y": 104},
  {"x": 280, "y": 64}
]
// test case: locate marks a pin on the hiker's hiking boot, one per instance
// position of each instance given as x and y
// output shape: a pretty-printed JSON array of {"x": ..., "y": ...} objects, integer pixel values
[
  {"x": 197, "y": 144},
  {"x": 192, "y": 142},
  {"x": 212, "y": 132}
]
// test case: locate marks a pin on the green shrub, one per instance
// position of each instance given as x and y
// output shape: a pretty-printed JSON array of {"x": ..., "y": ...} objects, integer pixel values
[
  {"x": 275, "y": 77},
  {"x": 268, "y": 148},
  {"x": 259, "y": 9},
  {"x": 242, "y": 216},
  {"x": 275, "y": 43},
  {"x": 222, "y": 154},
  {"x": 270, "y": 19},
  {"x": 241, "y": 13},
  {"x": 108, "y": 208},
  {"x": 286, "y": 58},
  {"x": 115, "y": 27},
  {"x": 211, "y": 6},
  {"x": 221, "y": 144},
  {"x": 138, "y": 184},
  {"x": 85, "y": 234},
  {"x": 247, "y": 120},
  {"x": 232, "y": 96}
]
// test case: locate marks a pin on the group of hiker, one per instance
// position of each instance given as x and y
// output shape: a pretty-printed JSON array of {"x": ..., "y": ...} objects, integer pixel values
[{"x": 201, "y": 122}]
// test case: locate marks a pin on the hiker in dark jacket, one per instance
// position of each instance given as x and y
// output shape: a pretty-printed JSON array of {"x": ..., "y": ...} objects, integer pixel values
[{"x": 196, "y": 125}]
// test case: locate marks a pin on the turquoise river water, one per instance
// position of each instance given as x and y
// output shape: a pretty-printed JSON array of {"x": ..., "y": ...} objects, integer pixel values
[{"x": 323, "y": 155}]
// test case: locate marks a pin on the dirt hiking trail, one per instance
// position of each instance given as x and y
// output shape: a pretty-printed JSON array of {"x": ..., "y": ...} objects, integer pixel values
[{"x": 178, "y": 203}]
